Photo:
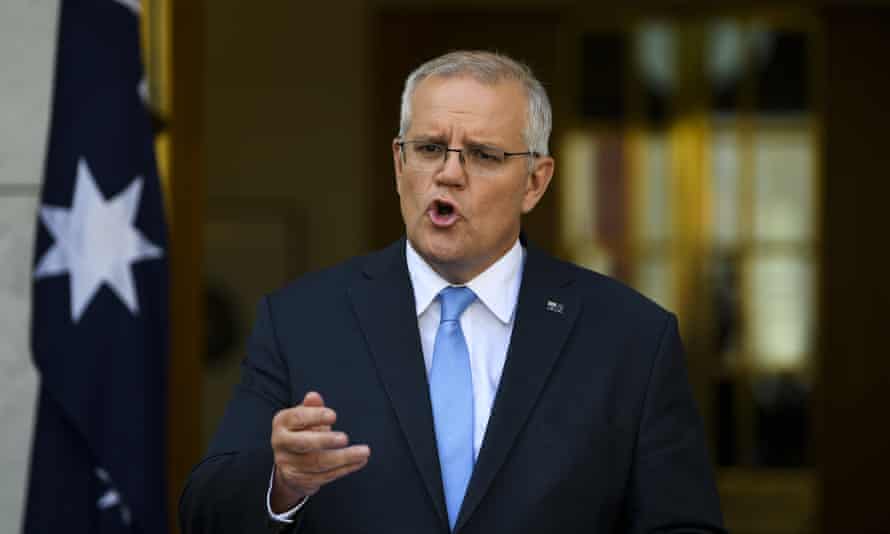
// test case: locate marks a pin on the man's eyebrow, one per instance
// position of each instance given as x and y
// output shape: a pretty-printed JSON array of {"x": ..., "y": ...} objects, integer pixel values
[
  {"x": 482, "y": 144},
  {"x": 431, "y": 138},
  {"x": 442, "y": 140},
  {"x": 473, "y": 143}
]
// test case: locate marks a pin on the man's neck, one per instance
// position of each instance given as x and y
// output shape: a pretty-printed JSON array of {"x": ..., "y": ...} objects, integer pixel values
[{"x": 458, "y": 273}]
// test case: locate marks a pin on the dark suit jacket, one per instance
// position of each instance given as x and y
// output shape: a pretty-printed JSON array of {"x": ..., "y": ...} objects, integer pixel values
[{"x": 593, "y": 428}]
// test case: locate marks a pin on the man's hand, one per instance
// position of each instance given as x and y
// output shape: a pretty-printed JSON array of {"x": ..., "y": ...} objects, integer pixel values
[{"x": 308, "y": 454}]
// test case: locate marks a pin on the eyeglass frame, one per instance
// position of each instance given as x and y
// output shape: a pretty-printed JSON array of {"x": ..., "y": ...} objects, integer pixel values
[{"x": 460, "y": 151}]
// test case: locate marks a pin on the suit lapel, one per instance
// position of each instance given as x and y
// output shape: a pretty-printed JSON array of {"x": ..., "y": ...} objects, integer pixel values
[
  {"x": 384, "y": 304},
  {"x": 545, "y": 313}
]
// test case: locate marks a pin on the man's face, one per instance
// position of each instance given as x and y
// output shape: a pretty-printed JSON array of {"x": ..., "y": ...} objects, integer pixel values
[{"x": 462, "y": 223}]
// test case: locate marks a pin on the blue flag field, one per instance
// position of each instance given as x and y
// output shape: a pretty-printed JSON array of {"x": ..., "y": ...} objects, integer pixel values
[{"x": 100, "y": 295}]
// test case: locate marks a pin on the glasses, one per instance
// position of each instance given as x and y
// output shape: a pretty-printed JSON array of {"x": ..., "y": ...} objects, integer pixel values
[{"x": 477, "y": 160}]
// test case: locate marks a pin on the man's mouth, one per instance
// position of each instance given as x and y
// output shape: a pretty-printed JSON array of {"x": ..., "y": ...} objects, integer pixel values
[{"x": 442, "y": 213}]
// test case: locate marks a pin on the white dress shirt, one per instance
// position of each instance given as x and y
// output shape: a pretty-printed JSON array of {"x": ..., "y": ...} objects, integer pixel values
[{"x": 487, "y": 324}]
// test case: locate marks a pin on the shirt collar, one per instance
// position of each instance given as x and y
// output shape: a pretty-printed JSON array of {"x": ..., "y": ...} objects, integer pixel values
[{"x": 496, "y": 287}]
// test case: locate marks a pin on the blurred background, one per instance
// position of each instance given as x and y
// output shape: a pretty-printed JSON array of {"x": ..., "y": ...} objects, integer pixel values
[{"x": 728, "y": 160}]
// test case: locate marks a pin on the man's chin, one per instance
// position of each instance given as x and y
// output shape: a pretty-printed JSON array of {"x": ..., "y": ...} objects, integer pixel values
[
  {"x": 444, "y": 254},
  {"x": 436, "y": 252}
]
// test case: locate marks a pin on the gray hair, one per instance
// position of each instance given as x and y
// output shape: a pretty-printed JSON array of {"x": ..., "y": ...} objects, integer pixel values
[{"x": 487, "y": 68}]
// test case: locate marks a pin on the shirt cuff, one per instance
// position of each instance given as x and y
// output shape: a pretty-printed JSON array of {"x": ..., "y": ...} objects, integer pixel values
[{"x": 288, "y": 516}]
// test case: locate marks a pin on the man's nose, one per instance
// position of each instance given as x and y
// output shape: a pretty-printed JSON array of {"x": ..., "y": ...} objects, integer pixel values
[{"x": 452, "y": 172}]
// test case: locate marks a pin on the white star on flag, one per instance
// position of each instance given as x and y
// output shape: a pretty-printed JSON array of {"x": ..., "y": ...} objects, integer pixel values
[
  {"x": 96, "y": 242},
  {"x": 111, "y": 498}
]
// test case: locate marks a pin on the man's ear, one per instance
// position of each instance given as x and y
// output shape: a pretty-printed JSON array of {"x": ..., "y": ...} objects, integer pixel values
[
  {"x": 538, "y": 181},
  {"x": 397, "y": 163}
]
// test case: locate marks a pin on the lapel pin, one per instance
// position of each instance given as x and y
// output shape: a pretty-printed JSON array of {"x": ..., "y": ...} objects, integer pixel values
[{"x": 553, "y": 306}]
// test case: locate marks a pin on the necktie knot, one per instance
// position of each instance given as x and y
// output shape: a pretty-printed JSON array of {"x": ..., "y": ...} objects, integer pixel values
[{"x": 454, "y": 301}]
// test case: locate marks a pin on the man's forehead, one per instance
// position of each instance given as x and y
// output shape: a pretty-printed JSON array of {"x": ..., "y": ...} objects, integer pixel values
[{"x": 497, "y": 109}]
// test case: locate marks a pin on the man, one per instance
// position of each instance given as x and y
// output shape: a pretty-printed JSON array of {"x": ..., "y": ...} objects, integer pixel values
[{"x": 460, "y": 380}]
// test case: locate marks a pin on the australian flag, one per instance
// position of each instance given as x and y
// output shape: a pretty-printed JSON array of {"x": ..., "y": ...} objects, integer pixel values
[{"x": 99, "y": 321}]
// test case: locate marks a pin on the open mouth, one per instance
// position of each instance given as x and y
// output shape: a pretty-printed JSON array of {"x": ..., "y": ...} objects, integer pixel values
[
  {"x": 443, "y": 213},
  {"x": 443, "y": 208}
]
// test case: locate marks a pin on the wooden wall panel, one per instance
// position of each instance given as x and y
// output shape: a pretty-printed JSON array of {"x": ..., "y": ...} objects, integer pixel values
[
  {"x": 854, "y": 397},
  {"x": 186, "y": 220}
]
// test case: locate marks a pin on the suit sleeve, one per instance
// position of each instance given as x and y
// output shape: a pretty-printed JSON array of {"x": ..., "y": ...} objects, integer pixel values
[
  {"x": 672, "y": 487},
  {"x": 226, "y": 492}
]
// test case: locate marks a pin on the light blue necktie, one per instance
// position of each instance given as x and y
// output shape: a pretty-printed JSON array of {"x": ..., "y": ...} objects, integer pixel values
[{"x": 451, "y": 392}]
